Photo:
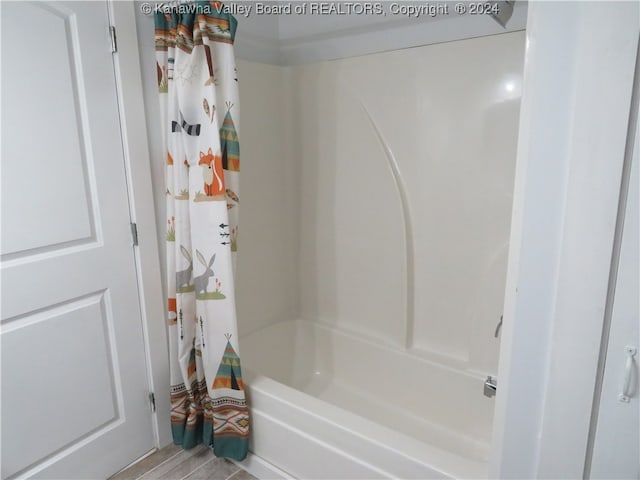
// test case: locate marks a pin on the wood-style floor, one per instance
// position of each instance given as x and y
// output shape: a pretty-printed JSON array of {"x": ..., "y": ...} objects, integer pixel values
[{"x": 174, "y": 463}]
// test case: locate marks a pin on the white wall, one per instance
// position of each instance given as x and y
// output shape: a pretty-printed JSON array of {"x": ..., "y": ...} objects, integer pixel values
[
  {"x": 447, "y": 115},
  {"x": 267, "y": 287}
]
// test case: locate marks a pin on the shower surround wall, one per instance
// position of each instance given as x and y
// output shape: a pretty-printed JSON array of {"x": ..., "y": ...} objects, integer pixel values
[{"x": 406, "y": 171}]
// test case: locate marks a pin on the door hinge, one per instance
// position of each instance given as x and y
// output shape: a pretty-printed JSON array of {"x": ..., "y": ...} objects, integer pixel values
[
  {"x": 152, "y": 401},
  {"x": 114, "y": 43},
  {"x": 134, "y": 234}
]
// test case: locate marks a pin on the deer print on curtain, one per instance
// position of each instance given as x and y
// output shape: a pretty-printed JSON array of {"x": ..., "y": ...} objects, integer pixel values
[{"x": 198, "y": 92}]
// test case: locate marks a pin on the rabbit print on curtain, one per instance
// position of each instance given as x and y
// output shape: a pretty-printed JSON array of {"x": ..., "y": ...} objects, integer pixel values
[{"x": 198, "y": 92}]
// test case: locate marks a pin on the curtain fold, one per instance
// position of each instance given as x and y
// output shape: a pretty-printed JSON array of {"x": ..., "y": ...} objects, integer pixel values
[{"x": 198, "y": 91}]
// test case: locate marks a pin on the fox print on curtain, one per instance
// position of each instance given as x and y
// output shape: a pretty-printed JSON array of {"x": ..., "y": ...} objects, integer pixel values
[{"x": 198, "y": 92}]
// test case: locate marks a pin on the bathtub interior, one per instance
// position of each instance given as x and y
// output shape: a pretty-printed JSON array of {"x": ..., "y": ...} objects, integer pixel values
[{"x": 401, "y": 391}]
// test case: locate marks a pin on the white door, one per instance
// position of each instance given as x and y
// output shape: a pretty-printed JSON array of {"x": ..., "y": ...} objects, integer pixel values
[
  {"x": 74, "y": 378},
  {"x": 616, "y": 452}
]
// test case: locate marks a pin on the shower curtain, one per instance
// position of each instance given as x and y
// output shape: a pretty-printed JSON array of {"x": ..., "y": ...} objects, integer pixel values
[{"x": 198, "y": 93}]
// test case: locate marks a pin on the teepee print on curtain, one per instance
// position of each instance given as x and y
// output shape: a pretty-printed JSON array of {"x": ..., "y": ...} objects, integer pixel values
[
  {"x": 230, "y": 414},
  {"x": 198, "y": 90}
]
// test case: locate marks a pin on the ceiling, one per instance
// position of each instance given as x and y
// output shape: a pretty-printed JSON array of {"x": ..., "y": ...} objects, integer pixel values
[{"x": 342, "y": 30}]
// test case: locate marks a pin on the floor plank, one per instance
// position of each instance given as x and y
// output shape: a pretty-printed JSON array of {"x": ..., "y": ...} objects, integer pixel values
[
  {"x": 217, "y": 469},
  {"x": 180, "y": 465},
  {"x": 242, "y": 475},
  {"x": 138, "y": 469},
  {"x": 174, "y": 463}
]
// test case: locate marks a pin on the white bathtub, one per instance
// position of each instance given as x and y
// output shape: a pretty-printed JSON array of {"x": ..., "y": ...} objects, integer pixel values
[{"x": 327, "y": 404}]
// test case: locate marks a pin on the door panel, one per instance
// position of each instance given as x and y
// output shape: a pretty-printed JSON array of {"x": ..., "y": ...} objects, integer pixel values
[
  {"x": 58, "y": 111},
  {"x": 67, "y": 419},
  {"x": 616, "y": 452},
  {"x": 74, "y": 378}
]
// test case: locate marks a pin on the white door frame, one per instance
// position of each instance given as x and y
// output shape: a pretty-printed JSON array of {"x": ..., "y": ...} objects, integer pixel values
[
  {"x": 574, "y": 119},
  {"x": 138, "y": 170}
]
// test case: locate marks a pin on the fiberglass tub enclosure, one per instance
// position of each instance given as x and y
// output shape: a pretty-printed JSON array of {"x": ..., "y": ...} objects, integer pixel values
[{"x": 395, "y": 173}]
